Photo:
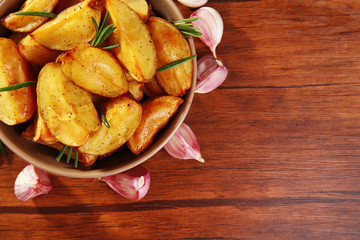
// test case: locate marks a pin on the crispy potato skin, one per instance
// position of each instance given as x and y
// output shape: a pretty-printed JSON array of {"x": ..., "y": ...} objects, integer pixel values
[
  {"x": 123, "y": 115},
  {"x": 141, "y": 7},
  {"x": 137, "y": 51},
  {"x": 156, "y": 114},
  {"x": 95, "y": 70},
  {"x": 36, "y": 53},
  {"x": 70, "y": 27},
  {"x": 67, "y": 109},
  {"x": 17, "y": 106},
  {"x": 18, "y": 23},
  {"x": 171, "y": 45}
]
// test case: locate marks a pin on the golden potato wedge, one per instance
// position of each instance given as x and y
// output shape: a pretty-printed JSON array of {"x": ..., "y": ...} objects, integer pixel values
[
  {"x": 17, "y": 106},
  {"x": 42, "y": 133},
  {"x": 95, "y": 70},
  {"x": 17, "y": 23},
  {"x": 123, "y": 115},
  {"x": 67, "y": 109},
  {"x": 171, "y": 45},
  {"x": 156, "y": 114},
  {"x": 71, "y": 27},
  {"x": 136, "y": 90},
  {"x": 137, "y": 51},
  {"x": 36, "y": 53},
  {"x": 141, "y": 7},
  {"x": 153, "y": 89}
]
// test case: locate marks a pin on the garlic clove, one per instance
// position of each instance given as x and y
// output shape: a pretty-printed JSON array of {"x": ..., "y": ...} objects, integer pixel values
[
  {"x": 31, "y": 182},
  {"x": 193, "y": 3},
  {"x": 211, "y": 74},
  {"x": 210, "y": 25},
  {"x": 132, "y": 184},
  {"x": 184, "y": 145}
]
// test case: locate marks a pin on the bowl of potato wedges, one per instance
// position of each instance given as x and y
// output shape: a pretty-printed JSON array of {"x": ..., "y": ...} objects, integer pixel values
[{"x": 91, "y": 88}]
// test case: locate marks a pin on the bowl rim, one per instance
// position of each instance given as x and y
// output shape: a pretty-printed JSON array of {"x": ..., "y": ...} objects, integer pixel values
[{"x": 12, "y": 141}]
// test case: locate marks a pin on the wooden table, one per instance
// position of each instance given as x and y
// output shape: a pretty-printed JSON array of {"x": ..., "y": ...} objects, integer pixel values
[{"x": 280, "y": 138}]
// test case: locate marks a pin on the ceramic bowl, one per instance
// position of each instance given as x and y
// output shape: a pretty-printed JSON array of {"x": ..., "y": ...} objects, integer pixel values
[{"x": 44, "y": 157}]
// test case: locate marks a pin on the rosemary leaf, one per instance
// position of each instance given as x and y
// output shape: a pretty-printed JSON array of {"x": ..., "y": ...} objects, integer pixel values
[
  {"x": 76, "y": 158},
  {"x": 111, "y": 46},
  {"x": 17, "y": 86},
  {"x": 102, "y": 116},
  {"x": 175, "y": 63},
  {"x": 104, "y": 34},
  {"x": 61, "y": 153},
  {"x": 187, "y": 20},
  {"x": 37, "y": 14},
  {"x": 105, "y": 21},
  {"x": 69, "y": 155},
  {"x": 192, "y": 34},
  {"x": 2, "y": 150}
]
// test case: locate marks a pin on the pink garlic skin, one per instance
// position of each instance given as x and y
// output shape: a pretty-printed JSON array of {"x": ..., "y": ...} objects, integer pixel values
[
  {"x": 211, "y": 74},
  {"x": 193, "y": 3},
  {"x": 31, "y": 182},
  {"x": 132, "y": 184},
  {"x": 211, "y": 26},
  {"x": 184, "y": 145}
]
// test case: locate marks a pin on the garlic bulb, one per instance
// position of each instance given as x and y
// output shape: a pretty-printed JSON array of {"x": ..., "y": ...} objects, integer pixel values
[
  {"x": 211, "y": 74},
  {"x": 211, "y": 26},
  {"x": 184, "y": 145},
  {"x": 193, "y": 3},
  {"x": 31, "y": 182},
  {"x": 132, "y": 184}
]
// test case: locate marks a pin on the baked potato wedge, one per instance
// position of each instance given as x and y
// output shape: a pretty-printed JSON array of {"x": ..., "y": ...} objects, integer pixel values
[
  {"x": 141, "y": 7},
  {"x": 171, "y": 45},
  {"x": 64, "y": 4},
  {"x": 71, "y": 27},
  {"x": 95, "y": 70},
  {"x": 137, "y": 51},
  {"x": 17, "y": 106},
  {"x": 67, "y": 109},
  {"x": 156, "y": 114},
  {"x": 17, "y": 23},
  {"x": 35, "y": 53},
  {"x": 123, "y": 115}
]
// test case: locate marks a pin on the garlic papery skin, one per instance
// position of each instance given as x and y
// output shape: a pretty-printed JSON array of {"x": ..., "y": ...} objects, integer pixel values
[
  {"x": 31, "y": 182},
  {"x": 184, "y": 145},
  {"x": 132, "y": 184},
  {"x": 210, "y": 75},
  {"x": 193, "y": 3},
  {"x": 210, "y": 25}
]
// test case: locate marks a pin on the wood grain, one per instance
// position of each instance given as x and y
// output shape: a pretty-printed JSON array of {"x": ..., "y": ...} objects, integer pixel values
[{"x": 280, "y": 138}]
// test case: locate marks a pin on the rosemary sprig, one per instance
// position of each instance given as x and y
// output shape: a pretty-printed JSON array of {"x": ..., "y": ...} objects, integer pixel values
[
  {"x": 175, "y": 63},
  {"x": 76, "y": 158},
  {"x": 103, "y": 32},
  {"x": 69, "y": 155},
  {"x": 2, "y": 150},
  {"x": 37, "y": 14},
  {"x": 111, "y": 46},
  {"x": 61, "y": 153},
  {"x": 17, "y": 86},
  {"x": 102, "y": 116},
  {"x": 186, "y": 28},
  {"x": 58, "y": 158}
]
